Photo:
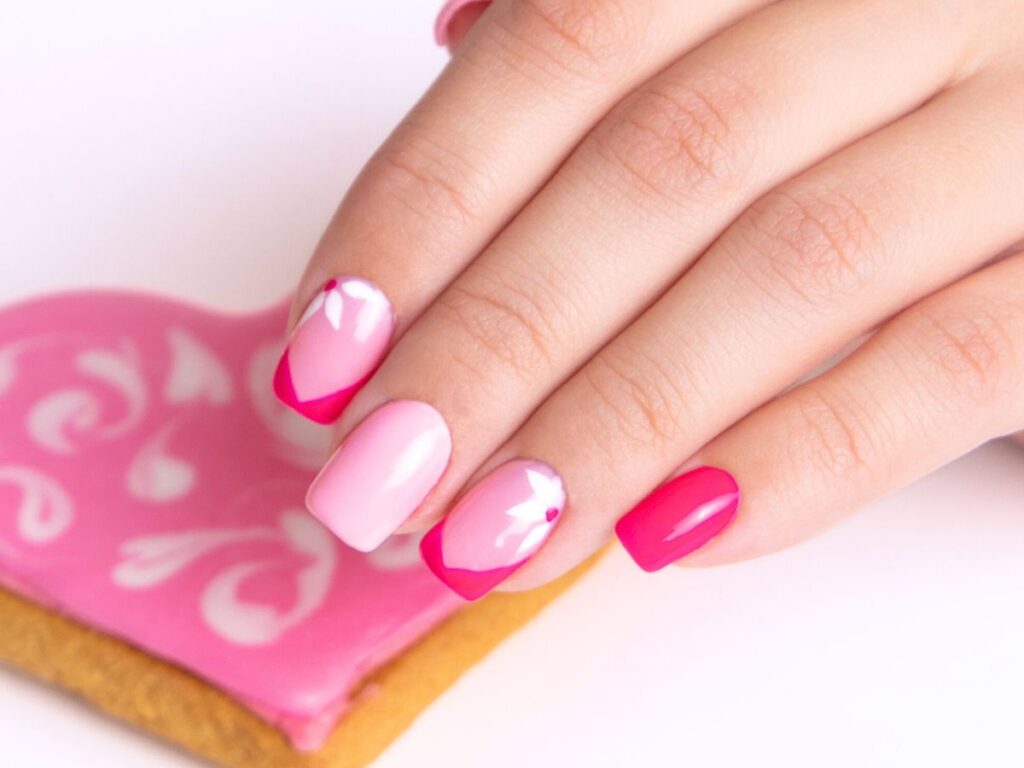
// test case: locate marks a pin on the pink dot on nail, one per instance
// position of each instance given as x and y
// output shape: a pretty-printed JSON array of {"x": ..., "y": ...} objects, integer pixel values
[
  {"x": 331, "y": 285},
  {"x": 551, "y": 514}
]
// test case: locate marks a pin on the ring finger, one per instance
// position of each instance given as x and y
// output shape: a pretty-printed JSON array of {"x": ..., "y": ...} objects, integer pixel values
[
  {"x": 819, "y": 261},
  {"x": 650, "y": 188}
]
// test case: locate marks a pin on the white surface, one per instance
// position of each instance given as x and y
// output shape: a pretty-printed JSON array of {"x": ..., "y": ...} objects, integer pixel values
[{"x": 198, "y": 148}]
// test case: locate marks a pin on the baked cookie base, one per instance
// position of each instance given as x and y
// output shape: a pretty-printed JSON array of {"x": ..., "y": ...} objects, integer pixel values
[{"x": 180, "y": 708}]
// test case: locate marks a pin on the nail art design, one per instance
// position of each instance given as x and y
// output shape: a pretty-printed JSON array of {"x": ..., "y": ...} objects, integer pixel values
[
  {"x": 339, "y": 341},
  {"x": 495, "y": 528},
  {"x": 682, "y": 515},
  {"x": 381, "y": 473}
]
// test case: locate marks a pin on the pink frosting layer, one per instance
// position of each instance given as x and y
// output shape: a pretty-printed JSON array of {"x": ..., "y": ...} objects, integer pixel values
[{"x": 152, "y": 486}]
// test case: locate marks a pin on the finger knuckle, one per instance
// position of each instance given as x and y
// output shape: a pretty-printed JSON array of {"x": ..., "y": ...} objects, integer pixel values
[
  {"x": 643, "y": 401},
  {"x": 969, "y": 354},
  {"x": 576, "y": 37},
  {"x": 507, "y": 322},
  {"x": 687, "y": 139},
  {"x": 819, "y": 242},
  {"x": 834, "y": 437},
  {"x": 430, "y": 182}
]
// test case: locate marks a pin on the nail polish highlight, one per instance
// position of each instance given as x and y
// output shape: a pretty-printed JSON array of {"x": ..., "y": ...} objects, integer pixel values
[
  {"x": 495, "y": 528},
  {"x": 339, "y": 341},
  {"x": 679, "y": 517},
  {"x": 381, "y": 473}
]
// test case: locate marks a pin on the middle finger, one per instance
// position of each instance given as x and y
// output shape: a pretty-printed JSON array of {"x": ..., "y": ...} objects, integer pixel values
[{"x": 648, "y": 190}]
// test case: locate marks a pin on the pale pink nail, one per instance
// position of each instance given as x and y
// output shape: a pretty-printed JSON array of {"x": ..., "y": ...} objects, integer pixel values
[
  {"x": 339, "y": 341},
  {"x": 495, "y": 528},
  {"x": 381, "y": 473},
  {"x": 448, "y": 12}
]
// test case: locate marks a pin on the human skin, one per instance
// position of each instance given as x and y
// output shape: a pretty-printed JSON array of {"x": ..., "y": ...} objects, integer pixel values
[{"x": 618, "y": 238}]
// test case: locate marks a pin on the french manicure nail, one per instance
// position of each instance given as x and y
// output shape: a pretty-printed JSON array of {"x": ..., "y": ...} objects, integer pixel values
[
  {"x": 495, "y": 528},
  {"x": 339, "y": 341},
  {"x": 381, "y": 473},
  {"x": 682, "y": 515}
]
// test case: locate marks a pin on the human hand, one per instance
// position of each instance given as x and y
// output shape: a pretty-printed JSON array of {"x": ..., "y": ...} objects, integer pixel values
[{"x": 615, "y": 239}]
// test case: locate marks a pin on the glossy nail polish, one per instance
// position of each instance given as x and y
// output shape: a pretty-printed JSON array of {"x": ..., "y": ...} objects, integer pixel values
[
  {"x": 381, "y": 473},
  {"x": 495, "y": 528},
  {"x": 339, "y": 341},
  {"x": 448, "y": 12},
  {"x": 682, "y": 515}
]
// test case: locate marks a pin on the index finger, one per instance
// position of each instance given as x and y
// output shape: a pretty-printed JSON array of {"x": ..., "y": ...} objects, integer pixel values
[{"x": 525, "y": 85}]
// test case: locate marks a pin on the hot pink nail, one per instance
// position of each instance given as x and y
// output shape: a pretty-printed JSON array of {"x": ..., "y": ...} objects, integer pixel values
[
  {"x": 495, "y": 528},
  {"x": 679, "y": 517},
  {"x": 381, "y": 473},
  {"x": 448, "y": 12},
  {"x": 337, "y": 344}
]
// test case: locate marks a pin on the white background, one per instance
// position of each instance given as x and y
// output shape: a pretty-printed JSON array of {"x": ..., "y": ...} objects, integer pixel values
[{"x": 198, "y": 148}]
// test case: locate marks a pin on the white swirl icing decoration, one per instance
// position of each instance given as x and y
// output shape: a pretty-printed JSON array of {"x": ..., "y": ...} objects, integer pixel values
[
  {"x": 78, "y": 410},
  {"x": 154, "y": 475},
  {"x": 151, "y": 560},
  {"x": 196, "y": 373},
  {"x": 45, "y": 511}
]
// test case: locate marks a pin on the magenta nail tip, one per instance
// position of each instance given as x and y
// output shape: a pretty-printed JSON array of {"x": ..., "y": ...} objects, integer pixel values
[
  {"x": 336, "y": 346},
  {"x": 495, "y": 528},
  {"x": 680, "y": 517}
]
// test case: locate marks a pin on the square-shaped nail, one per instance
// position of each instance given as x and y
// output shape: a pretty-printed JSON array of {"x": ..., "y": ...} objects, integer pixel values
[
  {"x": 335, "y": 347},
  {"x": 381, "y": 473},
  {"x": 495, "y": 528},
  {"x": 682, "y": 515}
]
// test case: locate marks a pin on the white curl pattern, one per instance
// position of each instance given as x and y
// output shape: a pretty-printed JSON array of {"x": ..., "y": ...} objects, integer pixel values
[
  {"x": 56, "y": 418},
  {"x": 151, "y": 560},
  {"x": 45, "y": 510}
]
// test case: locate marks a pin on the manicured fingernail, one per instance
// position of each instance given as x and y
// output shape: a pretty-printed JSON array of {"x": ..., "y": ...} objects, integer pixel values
[
  {"x": 682, "y": 515},
  {"x": 337, "y": 344},
  {"x": 448, "y": 12},
  {"x": 495, "y": 528},
  {"x": 381, "y": 473}
]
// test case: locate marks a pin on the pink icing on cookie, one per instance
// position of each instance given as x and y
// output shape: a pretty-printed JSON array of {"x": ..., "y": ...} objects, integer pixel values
[{"x": 152, "y": 486}]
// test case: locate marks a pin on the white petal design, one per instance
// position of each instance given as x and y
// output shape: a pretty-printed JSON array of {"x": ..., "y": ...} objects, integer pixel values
[
  {"x": 312, "y": 308},
  {"x": 333, "y": 306},
  {"x": 358, "y": 289},
  {"x": 533, "y": 539}
]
